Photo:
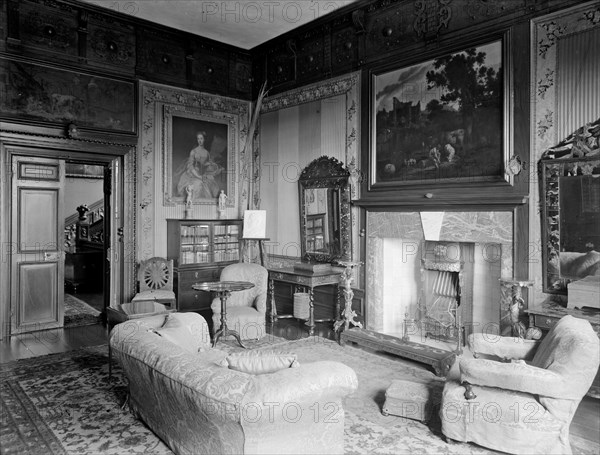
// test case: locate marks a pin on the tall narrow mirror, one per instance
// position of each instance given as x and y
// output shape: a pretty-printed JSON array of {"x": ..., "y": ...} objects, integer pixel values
[{"x": 325, "y": 211}]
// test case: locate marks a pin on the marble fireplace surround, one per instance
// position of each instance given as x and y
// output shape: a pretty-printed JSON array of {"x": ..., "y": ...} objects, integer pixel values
[{"x": 392, "y": 267}]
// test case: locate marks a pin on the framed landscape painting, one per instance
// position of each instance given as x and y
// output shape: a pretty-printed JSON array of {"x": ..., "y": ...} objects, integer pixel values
[
  {"x": 39, "y": 92},
  {"x": 441, "y": 120},
  {"x": 199, "y": 156}
]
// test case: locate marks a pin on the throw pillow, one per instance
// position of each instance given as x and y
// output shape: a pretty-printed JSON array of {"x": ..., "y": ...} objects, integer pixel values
[{"x": 260, "y": 362}]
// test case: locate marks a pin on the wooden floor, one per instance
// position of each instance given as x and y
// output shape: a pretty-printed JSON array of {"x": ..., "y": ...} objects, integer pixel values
[{"x": 586, "y": 423}]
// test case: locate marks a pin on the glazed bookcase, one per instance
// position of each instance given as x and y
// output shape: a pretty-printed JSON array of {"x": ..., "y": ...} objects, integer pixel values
[{"x": 200, "y": 249}]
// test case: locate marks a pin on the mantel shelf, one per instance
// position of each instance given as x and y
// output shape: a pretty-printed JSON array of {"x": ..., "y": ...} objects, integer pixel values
[{"x": 501, "y": 202}]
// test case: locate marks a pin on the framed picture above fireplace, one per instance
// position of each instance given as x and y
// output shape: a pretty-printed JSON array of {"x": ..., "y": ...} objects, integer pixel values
[{"x": 443, "y": 119}]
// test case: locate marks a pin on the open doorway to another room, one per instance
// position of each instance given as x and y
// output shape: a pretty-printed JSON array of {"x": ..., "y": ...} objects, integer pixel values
[{"x": 84, "y": 243}]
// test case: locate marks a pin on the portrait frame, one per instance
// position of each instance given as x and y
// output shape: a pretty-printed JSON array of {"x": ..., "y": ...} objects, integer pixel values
[
  {"x": 424, "y": 135},
  {"x": 180, "y": 127}
]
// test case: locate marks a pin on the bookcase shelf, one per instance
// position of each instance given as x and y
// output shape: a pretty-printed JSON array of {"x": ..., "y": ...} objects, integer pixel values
[{"x": 200, "y": 249}]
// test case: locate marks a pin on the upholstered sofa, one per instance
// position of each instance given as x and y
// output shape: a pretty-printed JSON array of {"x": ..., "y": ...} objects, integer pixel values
[
  {"x": 196, "y": 405},
  {"x": 524, "y": 406}
]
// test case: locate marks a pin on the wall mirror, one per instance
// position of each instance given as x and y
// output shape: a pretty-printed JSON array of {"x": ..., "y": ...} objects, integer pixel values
[
  {"x": 325, "y": 211},
  {"x": 570, "y": 196}
]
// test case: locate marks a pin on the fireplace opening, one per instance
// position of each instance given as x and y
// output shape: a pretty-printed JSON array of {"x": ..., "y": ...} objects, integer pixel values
[
  {"x": 445, "y": 302},
  {"x": 431, "y": 279}
]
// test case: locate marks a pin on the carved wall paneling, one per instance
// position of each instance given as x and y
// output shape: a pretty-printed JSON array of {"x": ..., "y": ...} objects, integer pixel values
[
  {"x": 387, "y": 27},
  {"x": 311, "y": 58},
  {"x": 110, "y": 43},
  {"x": 373, "y": 32},
  {"x": 344, "y": 45},
  {"x": 281, "y": 64},
  {"x": 44, "y": 28},
  {"x": 209, "y": 68},
  {"x": 161, "y": 57},
  {"x": 240, "y": 76}
]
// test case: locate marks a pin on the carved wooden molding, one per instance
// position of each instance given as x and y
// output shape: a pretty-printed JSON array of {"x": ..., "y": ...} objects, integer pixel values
[{"x": 310, "y": 93}]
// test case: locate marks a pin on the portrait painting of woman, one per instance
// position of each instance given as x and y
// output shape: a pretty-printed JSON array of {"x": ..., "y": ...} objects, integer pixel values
[{"x": 199, "y": 166}]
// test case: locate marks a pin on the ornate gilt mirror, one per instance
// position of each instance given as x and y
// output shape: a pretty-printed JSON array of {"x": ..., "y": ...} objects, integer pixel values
[
  {"x": 570, "y": 196},
  {"x": 325, "y": 211}
]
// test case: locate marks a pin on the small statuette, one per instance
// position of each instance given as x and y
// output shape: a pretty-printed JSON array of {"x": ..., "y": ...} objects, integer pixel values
[
  {"x": 222, "y": 205},
  {"x": 189, "y": 192}
]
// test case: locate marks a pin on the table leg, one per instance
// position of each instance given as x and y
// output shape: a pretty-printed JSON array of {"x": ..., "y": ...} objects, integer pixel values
[
  {"x": 311, "y": 316},
  {"x": 338, "y": 306},
  {"x": 224, "y": 330},
  {"x": 261, "y": 247}
]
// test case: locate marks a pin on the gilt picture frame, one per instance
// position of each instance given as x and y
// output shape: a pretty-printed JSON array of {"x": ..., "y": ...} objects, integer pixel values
[
  {"x": 443, "y": 120},
  {"x": 196, "y": 170}
]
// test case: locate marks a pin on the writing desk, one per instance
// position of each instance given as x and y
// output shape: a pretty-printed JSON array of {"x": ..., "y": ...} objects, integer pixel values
[{"x": 303, "y": 279}]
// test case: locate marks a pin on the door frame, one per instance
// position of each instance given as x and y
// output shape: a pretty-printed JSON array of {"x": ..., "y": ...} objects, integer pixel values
[{"x": 121, "y": 158}]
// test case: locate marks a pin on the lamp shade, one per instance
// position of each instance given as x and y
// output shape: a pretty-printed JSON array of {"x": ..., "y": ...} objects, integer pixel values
[{"x": 255, "y": 224}]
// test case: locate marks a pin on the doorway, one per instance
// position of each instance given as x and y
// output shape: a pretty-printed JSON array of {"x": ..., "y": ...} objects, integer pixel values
[
  {"x": 32, "y": 288},
  {"x": 85, "y": 243}
]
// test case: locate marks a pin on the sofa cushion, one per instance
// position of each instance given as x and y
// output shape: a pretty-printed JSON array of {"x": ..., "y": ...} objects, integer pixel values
[
  {"x": 213, "y": 356},
  {"x": 178, "y": 331},
  {"x": 179, "y": 336},
  {"x": 259, "y": 362}
]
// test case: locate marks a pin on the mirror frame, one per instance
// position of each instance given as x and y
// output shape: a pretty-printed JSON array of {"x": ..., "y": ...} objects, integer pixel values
[
  {"x": 327, "y": 172},
  {"x": 551, "y": 172}
]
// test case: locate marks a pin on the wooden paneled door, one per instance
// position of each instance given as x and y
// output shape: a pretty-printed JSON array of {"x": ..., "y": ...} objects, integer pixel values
[{"x": 37, "y": 265}]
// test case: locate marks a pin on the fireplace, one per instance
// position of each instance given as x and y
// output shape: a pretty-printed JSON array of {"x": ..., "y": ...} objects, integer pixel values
[
  {"x": 434, "y": 277},
  {"x": 444, "y": 304}
]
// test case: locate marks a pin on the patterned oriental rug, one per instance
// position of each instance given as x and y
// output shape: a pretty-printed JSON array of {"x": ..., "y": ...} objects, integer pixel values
[
  {"x": 78, "y": 313},
  {"x": 64, "y": 404}
]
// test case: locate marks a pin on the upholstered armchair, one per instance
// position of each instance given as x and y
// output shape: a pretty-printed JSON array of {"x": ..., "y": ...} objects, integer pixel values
[
  {"x": 522, "y": 406},
  {"x": 246, "y": 310}
]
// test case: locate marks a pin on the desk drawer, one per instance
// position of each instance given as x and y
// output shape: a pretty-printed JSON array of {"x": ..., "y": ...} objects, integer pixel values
[
  {"x": 189, "y": 277},
  {"x": 194, "y": 301},
  {"x": 544, "y": 322}
]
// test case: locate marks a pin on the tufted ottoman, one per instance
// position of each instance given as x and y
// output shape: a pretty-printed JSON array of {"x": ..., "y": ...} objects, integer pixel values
[{"x": 413, "y": 400}]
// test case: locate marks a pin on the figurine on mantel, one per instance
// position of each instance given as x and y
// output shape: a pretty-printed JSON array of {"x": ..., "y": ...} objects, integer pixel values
[
  {"x": 222, "y": 203},
  {"x": 189, "y": 192}
]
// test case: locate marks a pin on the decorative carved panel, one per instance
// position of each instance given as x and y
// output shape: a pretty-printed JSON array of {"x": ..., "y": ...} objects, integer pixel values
[
  {"x": 431, "y": 17},
  {"x": 241, "y": 77},
  {"x": 386, "y": 28},
  {"x": 48, "y": 26},
  {"x": 281, "y": 64},
  {"x": 110, "y": 42},
  {"x": 344, "y": 44},
  {"x": 210, "y": 69},
  {"x": 310, "y": 57},
  {"x": 161, "y": 56}
]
